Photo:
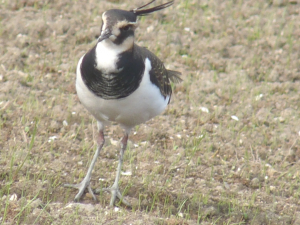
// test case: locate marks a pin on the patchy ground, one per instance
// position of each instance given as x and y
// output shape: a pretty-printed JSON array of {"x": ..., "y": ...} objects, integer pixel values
[{"x": 226, "y": 151}]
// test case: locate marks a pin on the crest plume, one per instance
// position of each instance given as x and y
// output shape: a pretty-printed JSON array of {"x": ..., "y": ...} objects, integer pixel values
[{"x": 144, "y": 12}]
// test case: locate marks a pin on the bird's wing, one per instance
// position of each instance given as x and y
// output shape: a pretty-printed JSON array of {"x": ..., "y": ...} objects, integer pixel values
[{"x": 159, "y": 75}]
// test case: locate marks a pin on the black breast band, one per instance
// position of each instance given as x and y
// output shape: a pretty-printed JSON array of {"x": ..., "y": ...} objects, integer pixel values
[{"x": 113, "y": 85}]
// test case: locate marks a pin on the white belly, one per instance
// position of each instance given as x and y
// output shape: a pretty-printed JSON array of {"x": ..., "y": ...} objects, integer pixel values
[{"x": 143, "y": 104}]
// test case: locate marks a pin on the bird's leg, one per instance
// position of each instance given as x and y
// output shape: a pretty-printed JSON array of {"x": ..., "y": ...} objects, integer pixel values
[
  {"x": 114, "y": 189},
  {"x": 85, "y": 183}
]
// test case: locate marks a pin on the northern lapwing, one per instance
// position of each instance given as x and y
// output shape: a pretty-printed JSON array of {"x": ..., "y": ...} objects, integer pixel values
[{"x": 119, "y": 81}]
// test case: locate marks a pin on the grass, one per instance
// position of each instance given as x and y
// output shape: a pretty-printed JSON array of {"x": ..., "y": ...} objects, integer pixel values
[{"x": 188, "y": 166}]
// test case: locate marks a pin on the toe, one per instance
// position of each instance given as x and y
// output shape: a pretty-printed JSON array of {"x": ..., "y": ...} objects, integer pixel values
[{"x": 92, "y": 193}]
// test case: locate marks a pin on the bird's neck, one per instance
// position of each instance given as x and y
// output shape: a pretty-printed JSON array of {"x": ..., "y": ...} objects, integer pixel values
[
  {"x": 107, "y": 54},
  {"x": 111, "y": 79}
]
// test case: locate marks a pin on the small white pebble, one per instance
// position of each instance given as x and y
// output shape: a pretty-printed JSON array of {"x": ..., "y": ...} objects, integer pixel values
[
  {"x": 114, "y": 142},
  {"x": 52, "y": 138},
  {"x": 204, "y": 109},
  {"x": 73, "y": 113},
  {"x": 180, "y": 215},
  {"x": 258, "y": 97},
  {"x": 70, "y": 205},
  {"x": 150, "y": 29},
  {"x": 127, "y": 173},
  {"x": 13, "y": 197},
  {"x": 116, "y": 209},
  {"x": 134, "y": 133},
  {"x": 135, "y": 145},
  {"x": 280, "y": 119},
  {"x": 272, "y": 188},
  {"x": 156, "y": 162},
  {"x": 80, "y": 163},
  {"x": 144, "y": 143},
  {"x": 235, "y": 118},
  {"x": 187, "y": 29},
  {"x": 266, "y": 177},
  {"x": 184, "y": 56},
  {"x": 178, "y": 135},
  {"x": 65, "y": 123}
]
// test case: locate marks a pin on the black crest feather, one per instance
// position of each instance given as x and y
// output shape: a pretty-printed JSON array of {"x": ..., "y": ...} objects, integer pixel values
[{"x": 143, "y": 12}]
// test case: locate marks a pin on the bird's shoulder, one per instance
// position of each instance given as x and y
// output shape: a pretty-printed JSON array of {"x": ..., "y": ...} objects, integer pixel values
[{"x": 159, "y": 75}]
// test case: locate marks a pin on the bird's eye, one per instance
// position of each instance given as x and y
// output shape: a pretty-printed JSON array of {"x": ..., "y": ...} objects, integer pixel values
[{"x": 126, "y": 28}]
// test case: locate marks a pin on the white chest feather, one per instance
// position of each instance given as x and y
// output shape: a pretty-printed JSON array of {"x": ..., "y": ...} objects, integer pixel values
[
  {"x": 106, "y": 57},
  {"x": 107, "y": 54},
  {"x": 143, "y": 104}
]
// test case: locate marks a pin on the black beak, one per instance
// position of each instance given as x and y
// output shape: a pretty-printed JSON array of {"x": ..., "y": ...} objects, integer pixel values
[{"x": 104, "y": 35}]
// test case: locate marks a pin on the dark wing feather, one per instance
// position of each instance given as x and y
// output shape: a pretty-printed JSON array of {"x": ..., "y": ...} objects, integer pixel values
[
  {"x": 159, "y": 75},
  {"x": 174, "y": 76}
]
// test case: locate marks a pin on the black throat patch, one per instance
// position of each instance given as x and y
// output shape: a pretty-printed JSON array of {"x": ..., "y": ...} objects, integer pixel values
[{"x": 113, "y": 85}]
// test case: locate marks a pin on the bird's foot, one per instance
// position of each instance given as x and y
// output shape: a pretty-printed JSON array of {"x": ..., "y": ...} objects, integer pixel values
[
  {"x": 84, "y": 184},
  {"x": 115, "y": 193}
]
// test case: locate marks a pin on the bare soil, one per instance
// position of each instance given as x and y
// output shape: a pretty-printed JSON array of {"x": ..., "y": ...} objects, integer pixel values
[{"x": 226, "y": 151}]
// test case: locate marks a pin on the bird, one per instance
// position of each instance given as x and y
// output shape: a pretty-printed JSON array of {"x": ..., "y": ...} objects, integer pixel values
[{"x": 121, "y": 82}]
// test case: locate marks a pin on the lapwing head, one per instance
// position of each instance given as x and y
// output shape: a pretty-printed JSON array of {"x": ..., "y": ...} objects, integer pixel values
[{"x": 118, "y": 26}]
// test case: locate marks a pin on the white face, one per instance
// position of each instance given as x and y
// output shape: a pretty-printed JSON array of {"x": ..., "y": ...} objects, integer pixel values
[{"x": 121, "y": 32}]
